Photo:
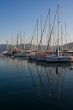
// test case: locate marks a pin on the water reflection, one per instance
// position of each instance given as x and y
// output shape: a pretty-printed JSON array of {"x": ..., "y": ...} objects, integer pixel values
[{"x": 32, "y": 85}]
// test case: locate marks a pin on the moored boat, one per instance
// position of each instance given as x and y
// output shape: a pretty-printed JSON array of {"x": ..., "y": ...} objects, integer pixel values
[
  {"x": 22, "y": 54},
  {"x": 59, "y": 59}
]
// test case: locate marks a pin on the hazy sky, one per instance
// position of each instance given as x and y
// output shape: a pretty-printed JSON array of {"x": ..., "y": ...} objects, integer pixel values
[{"x": 21, "y": 15}]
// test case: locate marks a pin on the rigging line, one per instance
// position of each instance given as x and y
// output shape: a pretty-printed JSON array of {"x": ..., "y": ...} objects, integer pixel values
[
  {"x": 43, "y": 30},
  {"x": 33, "y": 34},
  {"x": 51, "y": 30}
]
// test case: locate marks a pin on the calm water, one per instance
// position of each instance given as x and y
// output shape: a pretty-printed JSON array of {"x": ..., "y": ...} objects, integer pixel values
[{"x": 31, "y": 86}]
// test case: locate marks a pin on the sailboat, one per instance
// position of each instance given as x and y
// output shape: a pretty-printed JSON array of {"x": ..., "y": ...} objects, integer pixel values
[
  {"x": 41, "y": 55},
  {"x": 33, "y": 54},
  {"x": 45, "y": 56},
  {"x": 21, "y": 51},
  {"x": 57, "y": 57}
]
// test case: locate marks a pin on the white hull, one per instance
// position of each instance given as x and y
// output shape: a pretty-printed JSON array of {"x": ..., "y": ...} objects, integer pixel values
[
  {"x": 51, "y": 58},
  {"x": 60, "y": 59},
  {"x": 37, "y": 58}
]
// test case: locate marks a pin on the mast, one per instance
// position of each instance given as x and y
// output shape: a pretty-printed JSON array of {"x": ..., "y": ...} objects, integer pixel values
[
  {"x": 41, "y": 29},
  {"x": 51, "y": 31},
  {"x": 58, "y": 25},
  {"x": 7, "y": 46},
  {"x": 57, "y": 49},
  {"x": 17, "y": 39},
  {"x": 49, "y": 27},
  {"x": 20, "y": 40},
  {"x": 33, "y": 35},
  {"x": 12, "y": 46},
  {"x": 66, "y": 36},
  {"x": 37, "y": 33},
  {"x": 62, "y": 37},
  {"x": 24, "y": 40}
]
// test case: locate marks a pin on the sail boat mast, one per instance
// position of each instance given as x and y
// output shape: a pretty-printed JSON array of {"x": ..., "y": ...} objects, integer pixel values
[
  {"x": 41, "y": 29},
  {"x": 58, "y": 25},
  {"x": 49, "y": 26},
  {"x": 21, "y": 41},
  {"x": 62, "y": 37},
  {"x": 24, "y": 40},
  {"x": 17, "y": 39},
  {"x": 51, "y": 30},
  {"x": 37, "y": 33},
  {"x": 7, "y": 45},
  {"x": 33, "y": 36},
  {"x": 66, "y": 36}
]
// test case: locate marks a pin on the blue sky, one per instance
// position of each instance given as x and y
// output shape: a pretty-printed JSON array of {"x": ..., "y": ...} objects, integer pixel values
[{"x": 21, "y": 15}]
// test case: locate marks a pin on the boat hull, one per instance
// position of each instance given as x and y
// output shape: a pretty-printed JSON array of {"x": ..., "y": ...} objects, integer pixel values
[
  {"x": 41, "y": 59},
  {"x": 21, "y": 55},
  {"x": 59, "y": 59},
  {"x": 32, "y": 57}
]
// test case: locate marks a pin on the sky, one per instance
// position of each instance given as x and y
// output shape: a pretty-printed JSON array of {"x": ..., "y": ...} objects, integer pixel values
[{"x": 21, "y": 15}]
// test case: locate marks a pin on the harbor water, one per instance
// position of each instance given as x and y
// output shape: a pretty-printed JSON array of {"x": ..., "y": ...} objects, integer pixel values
[{"x": 35, "y": 86}]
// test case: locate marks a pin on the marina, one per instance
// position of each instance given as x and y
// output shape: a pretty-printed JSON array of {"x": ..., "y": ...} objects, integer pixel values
[
  {"x": 36, "y": 55},
  {"x": 35, "y": 52}
]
